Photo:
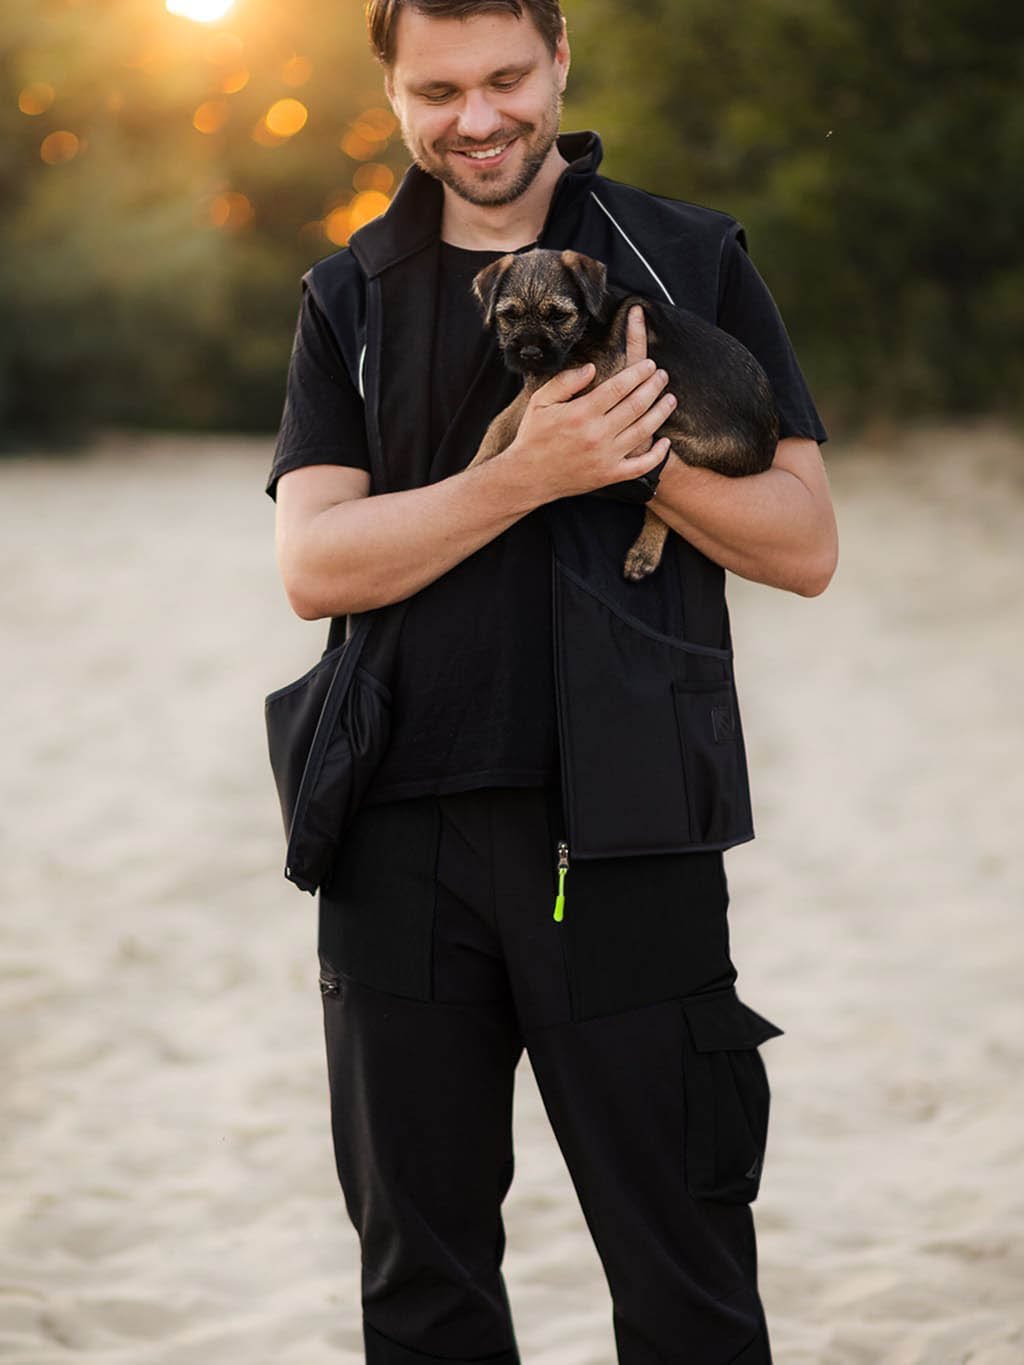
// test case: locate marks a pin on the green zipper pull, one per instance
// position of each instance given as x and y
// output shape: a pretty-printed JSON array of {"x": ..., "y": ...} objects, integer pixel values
[{"x": 563, "y": 868}]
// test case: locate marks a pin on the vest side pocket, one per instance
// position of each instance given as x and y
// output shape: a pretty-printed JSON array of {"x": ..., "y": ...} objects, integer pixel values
[
  {"x": 350, "y": 754},
  {"x": 711, "y": 742},
  {"x": 627, "y": 788}
]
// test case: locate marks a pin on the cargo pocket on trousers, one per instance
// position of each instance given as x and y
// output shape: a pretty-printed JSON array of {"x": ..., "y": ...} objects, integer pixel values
[{"x": 727, "y": 1096}]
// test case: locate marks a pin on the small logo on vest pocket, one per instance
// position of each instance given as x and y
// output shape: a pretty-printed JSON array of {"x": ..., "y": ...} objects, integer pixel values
[{"x": 723, "y": 723}]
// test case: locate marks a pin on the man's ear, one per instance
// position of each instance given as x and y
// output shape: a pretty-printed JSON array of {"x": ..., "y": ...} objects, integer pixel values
[
  {"x": 591, "y": 276},
  {"x": 562, "y": 54},
  {"x": 487, "y": 285}
]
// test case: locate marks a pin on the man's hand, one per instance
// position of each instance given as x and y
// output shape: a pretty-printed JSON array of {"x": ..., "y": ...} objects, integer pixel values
[{"x": 574, "y": 444}]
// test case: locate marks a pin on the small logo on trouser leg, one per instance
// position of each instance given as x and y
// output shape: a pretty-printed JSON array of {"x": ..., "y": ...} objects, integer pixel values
[{"x": 753, "y": 1172}]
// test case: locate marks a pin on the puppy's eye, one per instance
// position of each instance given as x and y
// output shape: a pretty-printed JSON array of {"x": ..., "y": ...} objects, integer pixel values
[
  {"x": 511, "y": 313},
  {"x": 557, "y": 314}
]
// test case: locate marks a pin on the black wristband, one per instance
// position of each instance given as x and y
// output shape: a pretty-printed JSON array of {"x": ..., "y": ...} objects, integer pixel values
[
  {"x": 650, "y": 479},
  {"x": 638, "y": 490}
]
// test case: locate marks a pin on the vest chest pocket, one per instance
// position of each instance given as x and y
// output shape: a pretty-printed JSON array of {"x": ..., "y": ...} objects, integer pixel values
[
  {"x": 711, "y": 740},
  {"x": 727, "y": 1096}
]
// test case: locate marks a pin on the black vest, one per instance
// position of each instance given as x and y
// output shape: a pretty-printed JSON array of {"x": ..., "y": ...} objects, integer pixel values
[{"x": 652, "y": 751}]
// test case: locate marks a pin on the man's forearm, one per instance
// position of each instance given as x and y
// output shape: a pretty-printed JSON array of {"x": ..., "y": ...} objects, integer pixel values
[
  {"x": 771, "y": 527},
  {"x": 367, "y": 552}
]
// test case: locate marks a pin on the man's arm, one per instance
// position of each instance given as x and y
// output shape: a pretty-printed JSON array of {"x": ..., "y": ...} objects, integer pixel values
[
  {"x": 778, "y": 527},
  {"x": 340, "y": 550}
]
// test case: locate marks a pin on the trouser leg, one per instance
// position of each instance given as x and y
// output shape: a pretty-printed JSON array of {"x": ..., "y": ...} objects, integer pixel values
[
  {"x": 421, "y": 1117},
  {"x": 421, "y": 1081},
  {"x": 682, "y": 1270}
]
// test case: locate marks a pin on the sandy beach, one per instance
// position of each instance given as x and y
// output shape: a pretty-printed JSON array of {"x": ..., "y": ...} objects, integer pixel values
[{"x": 168, "y": 1192}]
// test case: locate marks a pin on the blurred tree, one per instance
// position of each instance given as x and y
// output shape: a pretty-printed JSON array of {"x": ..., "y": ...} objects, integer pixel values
[{"x": 874, "y": 152}]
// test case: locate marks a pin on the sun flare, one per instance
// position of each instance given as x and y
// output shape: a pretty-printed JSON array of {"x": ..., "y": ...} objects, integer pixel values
[{"x": 203, "y": 11}]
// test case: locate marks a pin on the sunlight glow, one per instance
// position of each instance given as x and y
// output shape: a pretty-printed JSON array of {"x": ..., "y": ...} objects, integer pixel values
[{"x": 203, "y": 11}]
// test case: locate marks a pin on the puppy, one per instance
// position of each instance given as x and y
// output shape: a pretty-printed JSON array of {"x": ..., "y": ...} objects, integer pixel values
[{"x": 555, "y": 310}]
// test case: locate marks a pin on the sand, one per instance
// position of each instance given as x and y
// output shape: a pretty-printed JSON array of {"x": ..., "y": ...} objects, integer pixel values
[{"x": 168, "y": 1191}]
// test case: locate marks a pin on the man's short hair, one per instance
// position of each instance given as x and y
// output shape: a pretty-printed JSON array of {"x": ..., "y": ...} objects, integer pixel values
[{"x": 382, "y": 15}]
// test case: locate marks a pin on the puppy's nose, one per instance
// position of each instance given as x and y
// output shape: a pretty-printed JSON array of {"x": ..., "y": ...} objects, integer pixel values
[{"x": 530, "y": 353}]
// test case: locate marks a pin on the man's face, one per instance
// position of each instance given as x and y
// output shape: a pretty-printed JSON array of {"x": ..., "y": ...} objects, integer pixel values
[{"x": 488, "y": 85}]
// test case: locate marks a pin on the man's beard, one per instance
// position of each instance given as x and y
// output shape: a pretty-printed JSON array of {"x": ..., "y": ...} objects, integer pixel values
[{"x": 538, "y": 139}]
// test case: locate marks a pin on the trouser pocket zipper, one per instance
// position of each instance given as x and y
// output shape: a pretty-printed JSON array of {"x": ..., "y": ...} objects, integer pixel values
[{"x": 563, "y": 868}]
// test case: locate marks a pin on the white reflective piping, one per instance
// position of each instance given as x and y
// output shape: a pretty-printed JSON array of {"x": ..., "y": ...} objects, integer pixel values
[
  {"x": 618, "y": 227},
  {"x": 362, "y": 364}
]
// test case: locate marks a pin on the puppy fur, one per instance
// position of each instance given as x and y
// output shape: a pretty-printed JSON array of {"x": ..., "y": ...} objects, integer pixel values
[{"x": 554, "y": 311}]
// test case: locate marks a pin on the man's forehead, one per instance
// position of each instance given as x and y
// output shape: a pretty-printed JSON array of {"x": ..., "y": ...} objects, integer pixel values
[{"x": 454, "y": 51}]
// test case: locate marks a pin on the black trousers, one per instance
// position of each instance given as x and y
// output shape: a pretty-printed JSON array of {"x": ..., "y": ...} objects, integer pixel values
[{"x": 440, "y": 960}]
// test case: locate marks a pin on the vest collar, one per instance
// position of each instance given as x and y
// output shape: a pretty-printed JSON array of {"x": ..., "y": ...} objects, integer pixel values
[{"x": 413, "y": 219}]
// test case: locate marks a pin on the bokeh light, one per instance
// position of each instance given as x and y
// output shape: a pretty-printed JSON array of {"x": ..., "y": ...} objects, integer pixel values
[
  {"x": 59, "y": 146},
  {"x": 236, "y": 80},
  {"x": 368, "y": 135},
  {"x": 374, "y": 176},
  {"x": 336, "y": 226},
  {"x": 286, "y": 117},
  {"x": 211, "y": 116},
  {"x": 230, "y": 210},
  {"x": 36, "y": 98},
  {"x": 366, "y": 206}
]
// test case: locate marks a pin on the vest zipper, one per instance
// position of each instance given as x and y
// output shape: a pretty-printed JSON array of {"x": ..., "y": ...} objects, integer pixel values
[
  {"x": 563, "y": 844},
  {"x": 563, "y": 868}
]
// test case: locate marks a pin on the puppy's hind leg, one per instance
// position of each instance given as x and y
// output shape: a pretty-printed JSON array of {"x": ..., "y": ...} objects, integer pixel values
[{"x": 645, "y": 553}]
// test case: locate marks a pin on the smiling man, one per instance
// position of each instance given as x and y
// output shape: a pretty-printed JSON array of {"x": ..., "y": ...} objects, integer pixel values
[{"x": 545, "y": 760}]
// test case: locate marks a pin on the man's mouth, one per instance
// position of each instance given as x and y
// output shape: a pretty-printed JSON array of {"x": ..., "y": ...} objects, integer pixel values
[{"x": 485, "y": 156}]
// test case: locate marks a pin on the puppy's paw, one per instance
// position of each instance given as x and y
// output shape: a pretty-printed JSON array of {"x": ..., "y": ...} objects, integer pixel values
[{"x": 640, "y": 563}]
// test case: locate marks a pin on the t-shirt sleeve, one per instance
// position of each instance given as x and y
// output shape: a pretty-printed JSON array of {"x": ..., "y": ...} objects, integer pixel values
[
  {"x": 747, "y": 310},
  {"x": 323, "y": 419}
]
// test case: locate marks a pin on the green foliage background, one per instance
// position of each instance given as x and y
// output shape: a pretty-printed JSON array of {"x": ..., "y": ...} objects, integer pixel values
[{"x": 873, "y": 151}]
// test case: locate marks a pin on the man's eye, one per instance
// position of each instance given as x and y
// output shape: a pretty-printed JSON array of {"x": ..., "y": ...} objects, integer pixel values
[
  {"x": 507, "y": 85},
  {"x": 438, "y": 99}
]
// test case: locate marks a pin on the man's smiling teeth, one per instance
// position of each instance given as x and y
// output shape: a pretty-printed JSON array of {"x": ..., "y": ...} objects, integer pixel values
[{"x": 487, "y": 152}]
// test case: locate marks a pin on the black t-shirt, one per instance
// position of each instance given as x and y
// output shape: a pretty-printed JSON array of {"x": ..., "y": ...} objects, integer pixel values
[{"x": 473, "y": 687}]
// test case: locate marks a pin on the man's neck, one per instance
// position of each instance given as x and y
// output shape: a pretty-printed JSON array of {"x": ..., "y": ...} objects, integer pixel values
[{"x": 476, "y": 227}]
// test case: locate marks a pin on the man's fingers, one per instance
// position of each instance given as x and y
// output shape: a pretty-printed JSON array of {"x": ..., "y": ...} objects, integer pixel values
[
  {"x": 645, "y": 427},
  {"x": 633, "y": 465},
  {"x": 615, "y": 389},
  {"x": 635, "y": 404},
  {"x": 636, "y": 335},
  {"x": 564, "y": 384}
]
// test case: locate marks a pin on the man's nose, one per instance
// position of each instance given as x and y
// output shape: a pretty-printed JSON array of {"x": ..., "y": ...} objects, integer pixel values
[{"x": 478, "y": 119}]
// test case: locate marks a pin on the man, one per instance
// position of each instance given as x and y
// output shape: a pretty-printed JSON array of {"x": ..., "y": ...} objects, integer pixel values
[{"x": 553, "y": 728}]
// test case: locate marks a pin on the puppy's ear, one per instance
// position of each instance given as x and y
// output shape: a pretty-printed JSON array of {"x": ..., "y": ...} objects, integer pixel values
[
  {"x": 590, "y": 275},
  {"x": 487, "y": 285}
]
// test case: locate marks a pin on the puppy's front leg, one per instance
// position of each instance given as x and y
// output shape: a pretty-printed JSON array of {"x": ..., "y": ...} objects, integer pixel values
[
  {"x": 645, "y": 553},
  {"x": 502, "y": 431}
]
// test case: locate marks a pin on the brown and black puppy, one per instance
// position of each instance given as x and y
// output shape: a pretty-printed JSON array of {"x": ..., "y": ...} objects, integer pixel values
[{"x": 555, "y": 310}]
